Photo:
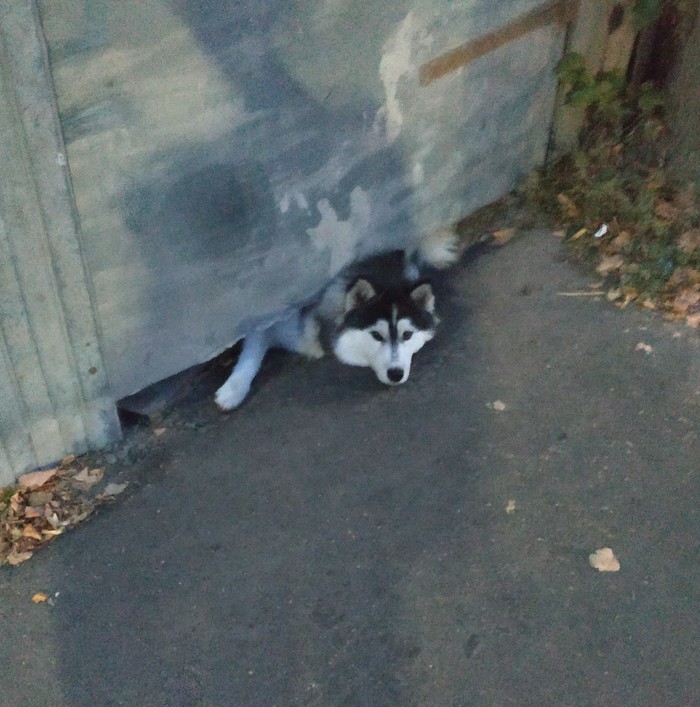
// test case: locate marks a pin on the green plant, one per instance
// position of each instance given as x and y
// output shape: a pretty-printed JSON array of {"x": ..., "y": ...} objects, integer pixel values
[
  {"x": 605, "y": 97},
  {"x": 645, "y": 12},
  {"x": 617, "y": 177},
  {"x": 604, "y": 92}
]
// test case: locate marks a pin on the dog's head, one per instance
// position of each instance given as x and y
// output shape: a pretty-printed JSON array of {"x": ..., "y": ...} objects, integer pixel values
[{"x": 383, "y": 329}]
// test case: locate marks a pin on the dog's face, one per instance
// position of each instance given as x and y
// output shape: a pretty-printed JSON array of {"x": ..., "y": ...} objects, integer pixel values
[{"x": 382, "y": 330}]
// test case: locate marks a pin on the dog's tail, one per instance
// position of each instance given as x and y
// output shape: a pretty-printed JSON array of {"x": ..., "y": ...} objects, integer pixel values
[{"x": 439, "y": 248}]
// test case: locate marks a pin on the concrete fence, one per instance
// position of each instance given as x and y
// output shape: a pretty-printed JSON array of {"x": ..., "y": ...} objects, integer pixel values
[
  {"x": 55, "y": 396},
  {"x": 174, "y": 173}
]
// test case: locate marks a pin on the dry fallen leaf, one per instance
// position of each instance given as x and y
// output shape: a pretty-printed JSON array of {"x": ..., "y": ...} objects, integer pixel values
[
  {"x": 604, "y": 560},
  {"x": 52, "y": 533},
  {"x": 30, "y": 531},
  {"x": 503, "y": 235},
  {"x": 568, "y": 206},
  {"x": 16, "y": 558},
  {"x": 689, "y": 241},
  {"x": 87, "y": 478},
  {"x": 36, "y": 479},
  {"x": 641, "y": 346},
  {"x": 39, "y": 597},
  {"x": 113, "y": 489},
  {"x": 610, "y": 263},
  {"x": 667, "y": 211},
  {"x": 40, "y": 498},
  {"x": 15, "y": 533},
  {"x": 621, "y": 243},
  {"x": 693, "y": 320},
  {"x": 685, "y": 198},
  {"x": 685, "y": 301},
  {"x": 79, "y": 517},
  {"x": 684, "y": 277},
  {"x": 510, "y": 506},
  {"x": 45, "y": 506}
]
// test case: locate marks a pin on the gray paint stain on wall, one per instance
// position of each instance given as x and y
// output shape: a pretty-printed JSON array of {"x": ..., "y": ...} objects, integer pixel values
[
  {"x": 341, "y": 237},
  {"x": 228, "y": 157}
]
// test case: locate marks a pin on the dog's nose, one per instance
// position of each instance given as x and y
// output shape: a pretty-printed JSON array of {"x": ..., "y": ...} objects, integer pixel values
[{"x": 395, "y": 375}]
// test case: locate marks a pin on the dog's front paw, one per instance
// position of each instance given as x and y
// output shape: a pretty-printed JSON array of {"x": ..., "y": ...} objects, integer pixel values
[{"x": 231, "y": 394}]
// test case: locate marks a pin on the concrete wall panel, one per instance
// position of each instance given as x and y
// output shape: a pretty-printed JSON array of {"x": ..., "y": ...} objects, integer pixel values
[
  {"x": 54, "y": 393},
  {"x": 229, "y": 157}
]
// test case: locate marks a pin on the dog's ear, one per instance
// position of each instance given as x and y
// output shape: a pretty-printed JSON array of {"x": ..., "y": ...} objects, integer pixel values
[
  {"x": 423, "y": 296},
  {"x": 360, "y": 293}
]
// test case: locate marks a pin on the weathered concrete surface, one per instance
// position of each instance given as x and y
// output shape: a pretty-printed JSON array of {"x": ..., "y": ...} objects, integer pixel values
[
  {"x": 335, "y": 542},
  {"x": 54, "y": 397},
  {"x": 228, "y": 157}
]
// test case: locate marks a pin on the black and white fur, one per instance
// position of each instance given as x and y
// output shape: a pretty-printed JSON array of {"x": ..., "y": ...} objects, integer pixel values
[{"x": 377, "y": 314}]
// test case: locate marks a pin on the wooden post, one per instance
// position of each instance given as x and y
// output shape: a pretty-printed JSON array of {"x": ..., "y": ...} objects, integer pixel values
[{"x": 604, "y": 34}]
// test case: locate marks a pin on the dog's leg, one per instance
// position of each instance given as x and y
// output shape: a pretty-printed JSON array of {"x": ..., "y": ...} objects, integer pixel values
[{"x": 233, "y": 392}]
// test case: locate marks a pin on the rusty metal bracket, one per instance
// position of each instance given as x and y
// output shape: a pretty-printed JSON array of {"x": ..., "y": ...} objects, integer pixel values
[{"x": 554, "y": 12}]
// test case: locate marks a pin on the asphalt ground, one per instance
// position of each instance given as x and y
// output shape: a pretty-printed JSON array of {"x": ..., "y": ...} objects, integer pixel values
[{"x": 335, "y": 542}]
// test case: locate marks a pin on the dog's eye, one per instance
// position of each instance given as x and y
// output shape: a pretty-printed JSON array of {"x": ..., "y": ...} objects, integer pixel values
[
  {"x": 377, "y": 336},
  {"x": 407, "y": 335}
]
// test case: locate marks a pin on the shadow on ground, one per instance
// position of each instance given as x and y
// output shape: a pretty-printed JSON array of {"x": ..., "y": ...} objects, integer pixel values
[{"x": 338, "y": 543}]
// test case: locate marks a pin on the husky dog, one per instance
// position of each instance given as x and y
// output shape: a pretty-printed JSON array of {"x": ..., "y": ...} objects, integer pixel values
[{"x": 377, "y": 314}]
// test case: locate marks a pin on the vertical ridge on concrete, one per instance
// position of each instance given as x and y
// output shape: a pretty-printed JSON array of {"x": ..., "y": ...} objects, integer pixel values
[
  {"x": 16, "y": 450},
  {"x": 55, "y": 394}
]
